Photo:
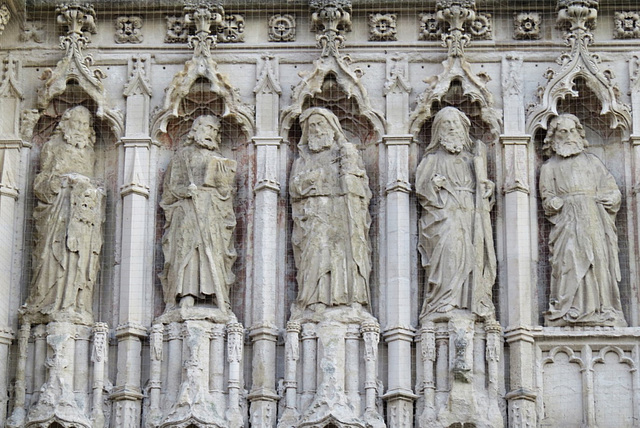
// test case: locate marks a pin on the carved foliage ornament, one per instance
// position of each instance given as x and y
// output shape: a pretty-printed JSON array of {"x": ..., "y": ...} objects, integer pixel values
[
  {"x": 479, "y": 28},
  {"x": 429, "y": 27},
  {"x": 383, "y": 27},
  {"x": 627, "y": 25},
  {"x": 128, "y": 29},
  {"x": 232, "y": 29},
  {"x": 282, "y": 28},
  {"x": 526, "y": 25}
]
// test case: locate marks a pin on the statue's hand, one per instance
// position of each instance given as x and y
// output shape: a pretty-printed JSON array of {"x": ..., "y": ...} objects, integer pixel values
[
  {"x": 555, "y": 203},
  {"x": 607, "y": 201},
  {"x": 439, "y": 181},
  {"x": 488, "y": 187},
  {"x": 191, "y": 190}
]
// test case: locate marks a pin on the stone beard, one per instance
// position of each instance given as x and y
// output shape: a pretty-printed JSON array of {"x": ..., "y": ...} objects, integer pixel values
[
  {"x": 330, "y": 196},
  {"x": 455, "y": 238},
  {"x": 197, "y": 200},
  {"x": 581, "y": 199},
  {"x": 69, "y": 218}
]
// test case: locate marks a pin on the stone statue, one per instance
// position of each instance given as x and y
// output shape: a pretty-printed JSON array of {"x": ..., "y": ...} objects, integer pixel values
[
  {"x": 580, "y": 198},
  {"x": 330, "y": 196},
  {"x": 69, "y": 218},
  {"x": 197, "y": 200},
  {"x": 455, "y": 238}
]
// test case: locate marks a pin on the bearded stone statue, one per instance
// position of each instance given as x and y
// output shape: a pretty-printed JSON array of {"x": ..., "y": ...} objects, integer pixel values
[
  {"x": 69, "y": 217},
  {"x": 581, "y": 199},
  {"x": 330, "y": 196},
  {"x": 197, "y": 199},
  {"x": 455, "y": 241}
]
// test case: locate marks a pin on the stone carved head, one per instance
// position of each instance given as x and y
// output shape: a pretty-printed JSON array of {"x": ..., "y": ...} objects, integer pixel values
[
  {"x": 320, "y": 130},
  {"x": 565, "y": 137},
  {"x": 76, "y": 127},
  {"x": 205, "y": 132},
  {"x": 450, "y": 130}
]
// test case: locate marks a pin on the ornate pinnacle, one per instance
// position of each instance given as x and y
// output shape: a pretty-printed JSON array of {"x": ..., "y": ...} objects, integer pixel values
[
  {"x": 330, "y": 18},
  {"x": 456, "y": 13}
]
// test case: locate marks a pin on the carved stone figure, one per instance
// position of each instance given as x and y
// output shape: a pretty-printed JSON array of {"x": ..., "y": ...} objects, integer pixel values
[
  {"x": 580, "y": 198},
  {"x": 455, "y": 229},
  {"x": 197, "y": 199},
  {"x": 330, "y": 196},
  {"x": 69, "y": 218}
]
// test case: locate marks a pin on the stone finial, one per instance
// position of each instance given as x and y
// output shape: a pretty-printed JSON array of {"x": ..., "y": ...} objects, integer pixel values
[
  {"x": 577, "y": 14},
  {"x": 330, "y": 18},
  {"x": 206, "y": 18},
  {"x": 456, "y": 14},
  {"x": 78, "y": 19}
]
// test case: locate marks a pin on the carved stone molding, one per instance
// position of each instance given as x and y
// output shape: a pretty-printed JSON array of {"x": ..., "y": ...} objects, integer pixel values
[
  {"x": 177, "y": 30},
  {"x": 331, "y": 19},
  {"x": 578, "y": 18},
  {"x": 9, "y": 86},
  {"x": 626, "y": 25},
  {"x": 128, "y": 29},
  {"x": 139, "y": 82},
  {"x": 5, "y": 17},
  {"x": 383, "y": 27},
  {"x": 526, "y": 25},
  {"x": 282, "y": 27},
  {"x": 79, "y": 20},
  {"x": 32, "y": 31}
]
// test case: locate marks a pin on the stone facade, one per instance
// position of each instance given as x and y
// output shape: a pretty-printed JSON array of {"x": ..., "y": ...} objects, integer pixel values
[{"x": 319, "y": 213}]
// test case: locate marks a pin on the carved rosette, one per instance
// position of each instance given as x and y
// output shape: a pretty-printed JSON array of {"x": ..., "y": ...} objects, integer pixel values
[
  {"x": 429, "y": 27},
  {"x": 331, "y": 19},
  {"x": 231, "y": 29},
  {"x": 626, "y": 25},
  {"x": 282, "y": 27},
  {"x": 32, "y": 31},
  {"x": 5, "y": 17},
  {"x": 383, "y": 27},
  {"x": 480, "y": 27},
  {"x": 177, "y": 30},
  {"x": 128, "y": 29},
  {"x": 526, "y": 25}
]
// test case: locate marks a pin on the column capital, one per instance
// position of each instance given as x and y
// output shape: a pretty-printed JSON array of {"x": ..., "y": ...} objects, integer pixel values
[
  {"x": 397, "y": 139},
  {"x": 519, "y": 333},
  {"x": 131, "y": 329},
  {"x": 267, "y": 141},
  {"x": 520, "y": 139},
  {"x": 406, "y": 333}
]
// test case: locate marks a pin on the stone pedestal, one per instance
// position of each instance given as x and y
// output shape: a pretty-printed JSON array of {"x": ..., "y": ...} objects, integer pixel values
[{"x": 460, "y": 356}]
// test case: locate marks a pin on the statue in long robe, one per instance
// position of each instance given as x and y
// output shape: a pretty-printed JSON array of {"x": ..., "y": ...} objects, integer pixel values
[
  {"x": 580, "y": 198},
  {"x": 69, "y": 217},
  {"x": 197, "y": 199},
  {"x": 330, "y": 196},
  {"x": 455, "y": 237}
]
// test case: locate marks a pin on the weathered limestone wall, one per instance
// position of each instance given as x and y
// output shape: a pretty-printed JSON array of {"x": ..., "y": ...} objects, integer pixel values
[{"x": 510, "y": 67}]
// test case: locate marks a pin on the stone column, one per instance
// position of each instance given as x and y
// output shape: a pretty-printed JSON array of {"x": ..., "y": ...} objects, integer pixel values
[
  {"x": 371, "y": 335},
  {"x": 235, "y": 348},
  {"x": 155, "y": 373},
  {"x": 519, "y": 241},
  {"x": 99, "y": 359},
  {"x": 635, "y": 175},
  {"x": 428, "y": 354},
  {"x": 291, "y": 355},
  {"x": 263, "y": 331},
  {"x": 397, "y": 237},
  {"x": 19, "y": 411},
  {"x": 10, "y": 161},
  {"x": 309, "y": 363},
  {"x": 352, "y": 387},
  {"x": 216, "y": 374},
  {"x": 135, "y": 303}
]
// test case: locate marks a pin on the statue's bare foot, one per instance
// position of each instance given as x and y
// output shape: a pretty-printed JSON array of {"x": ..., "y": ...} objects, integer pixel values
[{"x": 187, "y": 301}]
